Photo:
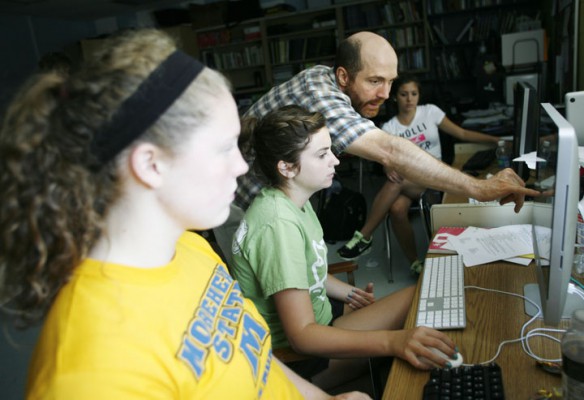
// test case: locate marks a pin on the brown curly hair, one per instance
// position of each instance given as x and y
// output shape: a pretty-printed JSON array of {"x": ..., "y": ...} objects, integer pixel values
[
  {"x": 52, "y": 201},
  {"x": 280, "y": 135}
]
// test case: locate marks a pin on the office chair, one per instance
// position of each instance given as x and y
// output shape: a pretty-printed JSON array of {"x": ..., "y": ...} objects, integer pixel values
[{"x": 422, "y": 206}]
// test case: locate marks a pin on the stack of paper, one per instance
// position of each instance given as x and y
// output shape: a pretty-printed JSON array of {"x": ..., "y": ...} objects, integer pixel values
[{"x": 513, "y": 243}]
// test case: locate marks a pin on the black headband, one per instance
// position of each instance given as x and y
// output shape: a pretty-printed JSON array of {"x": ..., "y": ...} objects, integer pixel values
[{"x": 139, "y": 111}]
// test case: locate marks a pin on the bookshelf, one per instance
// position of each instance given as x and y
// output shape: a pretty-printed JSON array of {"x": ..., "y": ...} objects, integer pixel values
[
  {"x": 563, "y": 23},
  {"x": 464, "y": 35},
  {"x": 402, "y": 23},
  {"x": 238, "y": 52},
  {"x": 299, "y": 40},
  {"x": 259, "y": 53}
]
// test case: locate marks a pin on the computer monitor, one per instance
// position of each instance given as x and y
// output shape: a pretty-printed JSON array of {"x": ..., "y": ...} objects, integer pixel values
[
  {"x": 575, "y": 113},
  {"x": 511, "y": 82},
  {"x": 554, "y": 218},
  {"x": 526, "y": 116}
]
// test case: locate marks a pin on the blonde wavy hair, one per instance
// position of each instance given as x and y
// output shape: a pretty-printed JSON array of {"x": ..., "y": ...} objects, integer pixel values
[{"x": 52, "y": 201}]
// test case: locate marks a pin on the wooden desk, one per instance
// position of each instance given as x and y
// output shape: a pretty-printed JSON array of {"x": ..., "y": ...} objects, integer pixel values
[{"x": 491, "y": 319}]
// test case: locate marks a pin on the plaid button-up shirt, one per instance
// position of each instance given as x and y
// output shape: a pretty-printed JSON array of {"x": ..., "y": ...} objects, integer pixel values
[{"x": 316, "y": 90}]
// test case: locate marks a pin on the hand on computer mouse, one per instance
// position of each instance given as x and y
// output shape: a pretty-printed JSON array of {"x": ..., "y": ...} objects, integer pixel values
[
  {"x": 454, "y": 362},
  {"x": 413, "y": 344}
]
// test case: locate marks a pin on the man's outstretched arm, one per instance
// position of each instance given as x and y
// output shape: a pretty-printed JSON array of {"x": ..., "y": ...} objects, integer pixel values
[{"x": 418, "y": 166}]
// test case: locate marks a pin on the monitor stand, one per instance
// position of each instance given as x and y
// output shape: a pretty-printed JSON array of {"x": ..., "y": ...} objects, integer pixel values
[{"x": 531, "y": 291}]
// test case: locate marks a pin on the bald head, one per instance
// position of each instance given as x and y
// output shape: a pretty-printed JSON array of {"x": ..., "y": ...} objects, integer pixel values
[
  {"x": 366, "y": 66},
  {"x": 365, "y": 48}
]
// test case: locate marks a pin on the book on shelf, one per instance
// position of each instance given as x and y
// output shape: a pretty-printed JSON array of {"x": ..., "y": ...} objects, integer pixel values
[
  {"x": 372, "y": 15},
  {"x": 465, "y": 30},
  {"x": 439, "y": 243},
  {"x": 440, "y": 34},
  {"x": 431, "y": 36},
  {"x": 252, "y": 32},
  {"x": 388, "y": 15}
]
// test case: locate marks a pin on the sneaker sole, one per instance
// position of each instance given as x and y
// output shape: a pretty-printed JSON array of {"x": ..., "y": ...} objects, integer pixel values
[{"x": 354, "y": 258}]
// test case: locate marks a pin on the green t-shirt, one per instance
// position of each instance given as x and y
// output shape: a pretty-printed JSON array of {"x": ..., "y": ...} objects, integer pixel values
[{"x": 279, "y": 246}]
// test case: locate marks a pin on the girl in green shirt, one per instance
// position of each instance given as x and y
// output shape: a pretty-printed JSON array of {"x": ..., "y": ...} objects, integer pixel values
[{"x": 279, "y": 259}]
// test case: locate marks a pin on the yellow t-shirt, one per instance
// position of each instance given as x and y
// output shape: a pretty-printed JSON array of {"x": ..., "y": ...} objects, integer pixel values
[{"x": 181, "y": 331}]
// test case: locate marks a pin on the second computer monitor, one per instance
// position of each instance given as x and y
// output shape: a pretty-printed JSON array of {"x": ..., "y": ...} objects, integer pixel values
[{"x": 526, "y": 113}]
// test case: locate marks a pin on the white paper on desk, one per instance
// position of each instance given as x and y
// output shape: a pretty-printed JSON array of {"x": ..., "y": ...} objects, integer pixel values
[
  {"x": 519, "y": 260},
  {"x": 544, "y": 238},
  {"x": 467, "y": 231},
  {"x": 530, "y": 159},
  {"x": 482, "y": 246}
]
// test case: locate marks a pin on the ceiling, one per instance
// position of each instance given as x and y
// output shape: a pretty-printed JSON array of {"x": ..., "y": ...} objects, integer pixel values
[{"x": 86, "y": 9}]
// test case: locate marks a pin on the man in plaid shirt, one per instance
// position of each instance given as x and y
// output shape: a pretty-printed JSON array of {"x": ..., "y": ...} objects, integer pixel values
[{"x": 350, "y": 93}]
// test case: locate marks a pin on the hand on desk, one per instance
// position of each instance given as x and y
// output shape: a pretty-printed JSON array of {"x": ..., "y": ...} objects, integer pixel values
[
  {"x": 417, "y": 343},
  {"x": 506, "y": 186}
]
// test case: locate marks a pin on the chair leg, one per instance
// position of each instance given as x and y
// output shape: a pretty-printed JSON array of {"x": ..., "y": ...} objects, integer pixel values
[
  {"x": 379, "y": 368},
  {"x": 360, "y": 175},
  {"x": 387, "y": 229},
  {"x": 374, "y": 381}
]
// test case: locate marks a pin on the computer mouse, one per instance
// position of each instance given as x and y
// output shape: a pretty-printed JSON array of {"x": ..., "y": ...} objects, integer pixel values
[{"x": 456, "y": 362}]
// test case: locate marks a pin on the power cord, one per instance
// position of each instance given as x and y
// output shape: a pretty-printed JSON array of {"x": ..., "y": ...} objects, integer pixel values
[{"x": 524, "y": 338}]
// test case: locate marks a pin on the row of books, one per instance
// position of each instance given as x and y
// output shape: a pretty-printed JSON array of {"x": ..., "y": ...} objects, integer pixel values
[
  {"x": 475, "y": 29},
  {"x": 298, "y": 49},
  {"x": 444, "y": 6},
  {"x": 450, "y": 65},
  {"x": 246, "y": 57},
  {"x": 412, "y": 59},
  {"x": 404, "y": 37},
  {"x": 282, "y": 73},
  {"x": 319, "y": 22},
  {"x": 226, "y": 36},
  {"x": 370, "y": 15}
]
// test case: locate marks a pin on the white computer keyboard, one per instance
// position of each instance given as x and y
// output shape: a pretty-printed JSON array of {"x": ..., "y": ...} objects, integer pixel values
[{"x": 441, "y": 303}]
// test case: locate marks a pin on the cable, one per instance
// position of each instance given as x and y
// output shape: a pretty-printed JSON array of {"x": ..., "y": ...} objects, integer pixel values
[
  {"x": 524, "y": 337},
  {"x": 576, "y": 282}
]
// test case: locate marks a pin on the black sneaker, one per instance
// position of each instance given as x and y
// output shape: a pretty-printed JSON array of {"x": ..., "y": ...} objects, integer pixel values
[
  {"x": 355, "y": 247},
  {"x": 417, "y": 267}
]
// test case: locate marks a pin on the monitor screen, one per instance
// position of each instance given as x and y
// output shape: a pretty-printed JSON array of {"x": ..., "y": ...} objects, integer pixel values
[
  {"x": 555, "y": 212},
  {"x": 526, "y": 116}
]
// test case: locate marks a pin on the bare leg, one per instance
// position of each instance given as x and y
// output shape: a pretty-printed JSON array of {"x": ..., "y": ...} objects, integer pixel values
[
  {"x": 389, "y": 312},
  {"x": 401, "y": 226},
  {"x": 386, "y": 313},
  {"x": 380, "y": 207},
  {"x": 400, "y": 222}
]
